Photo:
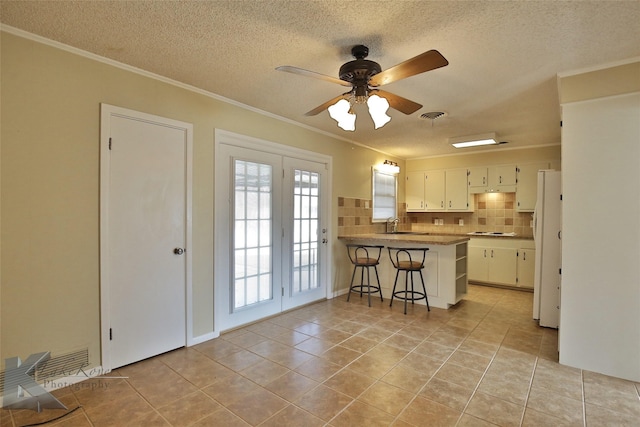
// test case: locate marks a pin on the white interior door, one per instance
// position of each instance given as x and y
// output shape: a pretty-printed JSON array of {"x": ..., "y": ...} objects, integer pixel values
[{"x": 144, "y": 238}]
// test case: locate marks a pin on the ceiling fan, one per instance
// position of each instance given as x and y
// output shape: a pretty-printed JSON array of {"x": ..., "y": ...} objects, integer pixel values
[{"x": 363, "y": 77}]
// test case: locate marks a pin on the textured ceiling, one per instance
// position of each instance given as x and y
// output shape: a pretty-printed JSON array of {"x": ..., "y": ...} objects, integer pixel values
[{"x": 503, "y": 56}]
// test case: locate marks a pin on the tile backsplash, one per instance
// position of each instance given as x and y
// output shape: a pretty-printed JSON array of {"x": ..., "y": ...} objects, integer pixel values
[
  {"x": 354, "y": 217},
  {"x": 493, "y": 212}
]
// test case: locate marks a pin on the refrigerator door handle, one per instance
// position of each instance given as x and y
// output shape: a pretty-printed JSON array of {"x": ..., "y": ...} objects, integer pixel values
[
  {"x": 560, "y": 235},
  {"x": 535, "y": 221}
]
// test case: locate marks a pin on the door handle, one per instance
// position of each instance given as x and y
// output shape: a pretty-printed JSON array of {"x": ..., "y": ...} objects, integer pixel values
[
  {"x": 178, "y": 251},
  {"x": 324, "y": 240}
]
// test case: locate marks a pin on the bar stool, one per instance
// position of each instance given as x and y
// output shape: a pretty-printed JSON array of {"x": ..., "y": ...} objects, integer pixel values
[
  {"x": 364, "y": 257},
  {"x": 409, "y": 260}
]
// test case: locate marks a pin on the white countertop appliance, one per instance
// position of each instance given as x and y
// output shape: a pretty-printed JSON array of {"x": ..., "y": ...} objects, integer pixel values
[{"x": 547, "y": 222}]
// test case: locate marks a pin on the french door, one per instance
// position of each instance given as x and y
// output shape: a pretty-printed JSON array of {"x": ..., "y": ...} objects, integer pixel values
[{"x": 271, "y": 236}]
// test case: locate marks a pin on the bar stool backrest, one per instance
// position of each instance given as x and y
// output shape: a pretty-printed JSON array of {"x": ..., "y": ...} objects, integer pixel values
[
  {"x": 410, "y": 259},
  {"x": 364, "y": 254}
]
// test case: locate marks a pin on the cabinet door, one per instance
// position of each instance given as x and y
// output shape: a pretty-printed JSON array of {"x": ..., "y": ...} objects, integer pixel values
[
  {"x": 526, "y": 267},
  {"x": 434, "y": 190},
  {"x": 457, "y": 190},
  {"x": 414, "y": 191},
  {"x": 478, "y": 180},
  {"x": 526, "y": 192},
  {"x": 503, "y": 266},
  {"x": 502, "y": 178},
  {"x": 478, "y": 263}
]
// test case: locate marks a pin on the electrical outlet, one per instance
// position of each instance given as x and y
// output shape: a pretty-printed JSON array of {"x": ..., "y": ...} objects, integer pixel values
[{"x": 461, "y": 222}]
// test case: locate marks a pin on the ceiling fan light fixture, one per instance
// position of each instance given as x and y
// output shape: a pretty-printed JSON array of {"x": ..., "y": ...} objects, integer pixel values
[
  {"x": 474, "y": 140},
  {"x": 341, "y": 113},
  {"x": 378, "y": 107}
]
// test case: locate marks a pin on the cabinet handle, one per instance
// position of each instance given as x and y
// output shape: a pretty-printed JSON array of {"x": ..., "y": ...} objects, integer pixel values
[
  {"x": 484, "y": 182},
  {"x": 442, "y": 203},
  {"x": 449, "y": 203},
  {"x": 485, "y": 253},
  {"x": 500, "y": 179},
  {"x": 491, "y": 253},
  {"x": 524, "y": 256}
]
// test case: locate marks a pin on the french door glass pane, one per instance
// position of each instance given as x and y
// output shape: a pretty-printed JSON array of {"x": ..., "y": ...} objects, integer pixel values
[
  {"x": 252, "y": 233},
  {"x": 306, "y": 195}
]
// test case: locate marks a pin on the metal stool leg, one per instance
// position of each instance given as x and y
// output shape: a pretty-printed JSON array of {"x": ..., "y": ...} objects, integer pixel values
[
  {"x": 375, "y": 268},
  {"x": 351, "y": 286},
  {"x": 393, "y": 292},
  {"x": 406, "y": 289},
  {"x": 426, "y": 299}
]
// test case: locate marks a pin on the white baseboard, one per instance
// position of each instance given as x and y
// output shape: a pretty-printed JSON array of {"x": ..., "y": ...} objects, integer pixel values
[{"x": 202, "y": 338}]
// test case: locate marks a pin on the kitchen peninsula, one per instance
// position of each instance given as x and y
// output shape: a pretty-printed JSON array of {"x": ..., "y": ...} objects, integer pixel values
[{"x": 445, "y": 272}]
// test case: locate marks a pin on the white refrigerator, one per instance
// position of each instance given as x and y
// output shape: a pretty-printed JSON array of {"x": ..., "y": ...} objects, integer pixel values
[{"x": 547, "y": 221}]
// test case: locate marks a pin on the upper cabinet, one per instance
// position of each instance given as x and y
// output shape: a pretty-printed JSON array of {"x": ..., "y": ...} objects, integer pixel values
[
  {"x": 434, "y": 190},
  {"x": 527, "y": 191},
  {"x": 437, "y": 191},
  {"x": 456, "y": 190},
  {"x": 414, "y": 191},
  {"x": 478, "y": 180},
  {"x": 502, "y": 178},
  {"x": 452, "y": 190},
  {"x": 492, "y": 179}
]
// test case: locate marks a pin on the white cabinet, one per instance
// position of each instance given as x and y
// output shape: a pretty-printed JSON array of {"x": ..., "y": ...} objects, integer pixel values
[
  {"x": 499, "y": 261},
  {"x": 437, "y": 191},
  {"x": 526, "y": 267},
  {"x": 456, "y": 190},
  {"x": 502, "y": 178},
  {"x": 434, "y": 190},
  {"x": 478, "y": 179},
  {"x": 414, "y": 191},
  {"x": 493, "y": 264},
  {"x": 492, "y": 179},
  {"x": 526, "y": 193}
]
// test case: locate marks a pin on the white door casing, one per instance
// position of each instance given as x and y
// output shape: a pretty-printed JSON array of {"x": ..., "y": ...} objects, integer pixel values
[{"x": 145, "y": 235}]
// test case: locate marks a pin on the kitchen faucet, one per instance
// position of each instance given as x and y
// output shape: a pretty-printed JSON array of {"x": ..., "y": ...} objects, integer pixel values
[{"x": 393, "y": 223}]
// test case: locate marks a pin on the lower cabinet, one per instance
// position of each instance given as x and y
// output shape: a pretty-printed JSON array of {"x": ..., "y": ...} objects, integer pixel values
[
  {"x": 502, "y": 261},
  {"x": 526, "y": 267}
]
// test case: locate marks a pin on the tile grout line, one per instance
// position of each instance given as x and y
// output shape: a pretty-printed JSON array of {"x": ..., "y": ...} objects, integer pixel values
[
  {"x": 526, "y": 400},
  {"x": 584, "y": 403},
  {"x": 475, "y": 389}
]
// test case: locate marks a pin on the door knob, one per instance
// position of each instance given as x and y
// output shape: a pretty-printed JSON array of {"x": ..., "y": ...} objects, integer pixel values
[{"x": 178, "y": 251}]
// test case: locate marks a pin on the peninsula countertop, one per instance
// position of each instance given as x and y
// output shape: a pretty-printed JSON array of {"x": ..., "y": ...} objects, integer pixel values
[{"x": 408, "y": 237}]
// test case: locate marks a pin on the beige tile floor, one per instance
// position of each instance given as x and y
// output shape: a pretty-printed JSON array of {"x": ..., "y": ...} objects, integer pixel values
[{"x": 481, "y": 363}]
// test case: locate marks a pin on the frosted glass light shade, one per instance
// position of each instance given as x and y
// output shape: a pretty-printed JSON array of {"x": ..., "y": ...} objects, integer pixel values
[
  {"x": 340, "y": 113},
  {"x": 378, "y": 107}
]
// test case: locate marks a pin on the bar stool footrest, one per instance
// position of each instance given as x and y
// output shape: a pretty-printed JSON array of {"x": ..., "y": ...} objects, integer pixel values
[
  {"x": 403, "y": 295},
  {"x": 364, "y": 289}
]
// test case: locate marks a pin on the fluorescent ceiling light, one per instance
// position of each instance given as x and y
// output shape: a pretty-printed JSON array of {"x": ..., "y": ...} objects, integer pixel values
[{"x": 474, "y": 140}]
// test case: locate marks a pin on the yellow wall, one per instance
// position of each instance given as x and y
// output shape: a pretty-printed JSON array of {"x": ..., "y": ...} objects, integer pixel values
[
  {"x": 50, "y": 104},
  {"x": 489, "y": 158},
  {"x": 610, "y": 81}
]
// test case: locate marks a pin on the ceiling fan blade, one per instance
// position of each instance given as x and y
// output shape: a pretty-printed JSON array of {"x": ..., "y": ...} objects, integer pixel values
[
  {"x": 426, "y": 61},
  {"x": 307, "y": 73},
  {"x": 321, "y": 108},
  {"x": 396, "y": 102}
]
